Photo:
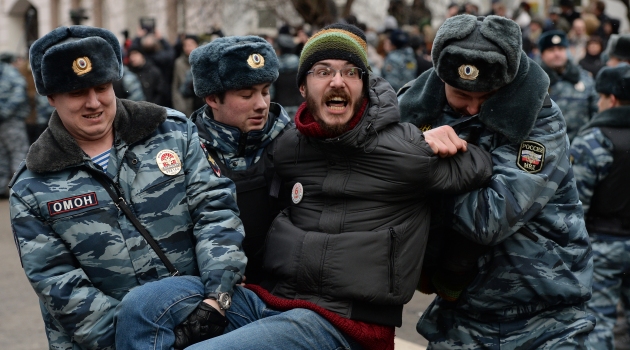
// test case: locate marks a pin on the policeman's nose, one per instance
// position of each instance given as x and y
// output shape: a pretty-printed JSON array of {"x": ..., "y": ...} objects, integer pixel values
[
  {"x": 260, "y": 102},
  {"x": 92, "y": 99},
  {"x": 473, "y": 108}
]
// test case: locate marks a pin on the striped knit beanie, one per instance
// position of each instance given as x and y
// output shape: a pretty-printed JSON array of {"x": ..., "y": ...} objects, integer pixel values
[{"x": 336, "y": 41}]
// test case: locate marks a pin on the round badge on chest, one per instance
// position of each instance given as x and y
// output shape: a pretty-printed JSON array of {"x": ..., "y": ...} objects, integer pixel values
[
  {"x": 297, "y": 193},
  {"x": 168, "y": 162}
]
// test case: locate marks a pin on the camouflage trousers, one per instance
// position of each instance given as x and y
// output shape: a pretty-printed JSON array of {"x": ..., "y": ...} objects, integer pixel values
[
  {"x": 611, "y": 284},
  {"x": 560, "y": 328},
  {"x": 13, "y": 148}
]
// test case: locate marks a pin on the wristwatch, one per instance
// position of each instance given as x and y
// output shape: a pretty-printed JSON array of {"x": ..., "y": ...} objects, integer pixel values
[{"x": 223, "y": 299}]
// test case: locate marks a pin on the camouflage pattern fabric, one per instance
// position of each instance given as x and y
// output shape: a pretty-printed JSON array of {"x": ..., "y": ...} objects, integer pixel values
[
  {"x": 13, "y": 148},
  {"x": 43, "y": 108},
  {"x": 131, "y": 84},
  {"x": 82, "y": 255},
  {"x": 611, "y": 284},
  {"x": 238, "y": 150},
  {"x": 454, "y": 331},
  {"x": 540, "y": 256},
  {"x": 400, "y": 67},
  {"x": 578, "y": 102},
  {"x": 13, "y": 97},
  {"x": 591, "y": 154},
  {"x": 14, "y": 109}
]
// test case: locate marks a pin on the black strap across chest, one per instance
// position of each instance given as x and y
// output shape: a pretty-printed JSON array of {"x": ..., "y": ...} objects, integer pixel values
[{"x": 115, "y": 192}]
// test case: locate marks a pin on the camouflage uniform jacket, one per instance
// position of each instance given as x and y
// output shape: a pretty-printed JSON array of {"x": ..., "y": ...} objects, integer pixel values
[
  {"x": 574, "y": 92},
  {"x": 529, "y": 215},
  {"x": 238, "y": 150},
  {"x": 400, "y": 67},
  {"x": 44, "y": 109},
  {"x": 82, "y": 255},
  {"x": 13, "y": 98},
  {"x": 592, "y": 151}
]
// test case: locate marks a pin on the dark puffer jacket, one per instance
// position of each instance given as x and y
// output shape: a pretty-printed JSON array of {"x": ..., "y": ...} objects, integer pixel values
[{"x": 354, "y": 244}]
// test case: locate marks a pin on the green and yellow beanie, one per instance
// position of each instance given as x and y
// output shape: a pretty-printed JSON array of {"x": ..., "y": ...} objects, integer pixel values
[{"x": 336, "y": 41}]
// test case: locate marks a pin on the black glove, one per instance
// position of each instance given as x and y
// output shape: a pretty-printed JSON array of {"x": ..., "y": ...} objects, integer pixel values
[{"x": 204, "y": 323}]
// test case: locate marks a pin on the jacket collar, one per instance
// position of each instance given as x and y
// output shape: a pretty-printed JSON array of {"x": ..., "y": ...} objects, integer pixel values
[
  {"x": 617, "y": 117},
  {"x": 512, "y": 111},
  {"x": 56, "y": 149},
  {"x": 571, "y": 73},
  {"x": 227, "y": 139}
]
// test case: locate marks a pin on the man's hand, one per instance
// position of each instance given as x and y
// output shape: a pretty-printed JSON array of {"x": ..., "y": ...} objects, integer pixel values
[
  {"x": 444, "y": 141},
  {"x": 207, "y": 321}
]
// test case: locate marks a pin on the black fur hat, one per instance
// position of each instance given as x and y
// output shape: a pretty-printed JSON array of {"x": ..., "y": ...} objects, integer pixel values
[
  {"x": 232, "y": 63},
  {"x": 614, "y": 81},
  {"x": 477, "y": 53},
  {"x": 620, "y": 47},
  {"x": 74, "y": 58},
  {"x": 552, "y": 38}
]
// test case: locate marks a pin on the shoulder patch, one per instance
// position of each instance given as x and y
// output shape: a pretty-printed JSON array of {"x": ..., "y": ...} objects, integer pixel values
[
  {"x": 213, "y": 164},
  {"x": 531, "y": 156},
  {"x": 65, "y": 205}
]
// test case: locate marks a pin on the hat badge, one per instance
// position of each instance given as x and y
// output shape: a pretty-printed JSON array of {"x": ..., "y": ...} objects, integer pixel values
[
  {"x": 82, "y": 65},
  {"x": 468, "y": 72},
  {"x": 556, "y": 39},
  {"x": 256, "y": 60}
]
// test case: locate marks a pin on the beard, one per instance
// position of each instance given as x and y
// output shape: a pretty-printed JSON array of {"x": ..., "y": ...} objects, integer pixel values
[{"x": 313, "y": 107}]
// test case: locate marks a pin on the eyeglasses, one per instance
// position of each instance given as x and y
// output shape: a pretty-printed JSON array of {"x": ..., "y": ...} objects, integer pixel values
[{"x": 327, "y": 73}]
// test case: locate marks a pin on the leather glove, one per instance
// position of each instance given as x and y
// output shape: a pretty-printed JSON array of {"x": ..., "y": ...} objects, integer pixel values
[{"x": 204, "y": 323}]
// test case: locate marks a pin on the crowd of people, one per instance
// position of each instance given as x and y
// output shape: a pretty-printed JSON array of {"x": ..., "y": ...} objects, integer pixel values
[{"x": 255, "y": 192}]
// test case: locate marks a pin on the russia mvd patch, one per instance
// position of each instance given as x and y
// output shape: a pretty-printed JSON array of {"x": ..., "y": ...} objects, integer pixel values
[{"x": 531, "y": 156}]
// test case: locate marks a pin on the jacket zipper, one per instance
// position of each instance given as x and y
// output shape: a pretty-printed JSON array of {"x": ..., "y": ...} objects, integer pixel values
[{"x": 392, "y": 257}]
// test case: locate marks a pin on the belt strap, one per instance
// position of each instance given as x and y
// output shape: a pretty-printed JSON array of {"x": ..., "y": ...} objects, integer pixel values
[{"x": 115, "y": 192}]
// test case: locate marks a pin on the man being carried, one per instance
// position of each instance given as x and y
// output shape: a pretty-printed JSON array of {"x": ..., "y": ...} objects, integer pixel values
[{"x": 345, "y": 257}]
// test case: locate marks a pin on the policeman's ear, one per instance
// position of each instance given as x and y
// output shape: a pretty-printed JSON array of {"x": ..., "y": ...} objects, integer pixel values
[
  {"x": 51, "y": 100},
  {"x": 212, "y": 101}
]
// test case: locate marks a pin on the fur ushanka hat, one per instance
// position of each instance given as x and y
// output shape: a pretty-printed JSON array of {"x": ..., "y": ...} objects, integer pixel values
[
  {"x": 614, "y": 81},
  {"x": 552, "y": 38},
  {"x": 620, "y": 47},
  {"x": 232, "y": 63},
  {"x": 478, "y": 54},
  {"x": 74, "y": 58}
]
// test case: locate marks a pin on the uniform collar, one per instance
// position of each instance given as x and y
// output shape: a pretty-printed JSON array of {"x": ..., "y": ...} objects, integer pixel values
[{"x": 56, "y": 149}]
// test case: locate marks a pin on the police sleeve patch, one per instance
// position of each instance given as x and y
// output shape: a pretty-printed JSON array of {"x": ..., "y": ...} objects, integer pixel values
[
  {"x": 65, "y": 205},
  {"x": 531, "y": 156},
  {"x": 213, "y": 164}
]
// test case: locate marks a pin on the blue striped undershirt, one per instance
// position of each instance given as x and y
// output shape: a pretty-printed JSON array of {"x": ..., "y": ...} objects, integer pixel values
[{"x": 102, "y": 159}]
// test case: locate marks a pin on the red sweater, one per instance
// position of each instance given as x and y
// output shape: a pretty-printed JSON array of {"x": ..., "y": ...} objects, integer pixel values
[{"x": 370, "y": 336}]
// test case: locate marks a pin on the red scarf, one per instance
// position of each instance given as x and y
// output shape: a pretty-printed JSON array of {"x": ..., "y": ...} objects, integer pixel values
[
  {"x": 306, "y": 124},
  {"x": 369, "y": 336}
]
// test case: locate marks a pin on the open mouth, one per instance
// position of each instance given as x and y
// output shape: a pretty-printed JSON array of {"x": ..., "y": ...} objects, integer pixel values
[
  {"x": 92, "y": 116},
  {"x": 337, "y": 103}
]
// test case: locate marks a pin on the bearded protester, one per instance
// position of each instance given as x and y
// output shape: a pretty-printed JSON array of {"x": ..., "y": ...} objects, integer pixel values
[
  {"x": 114, "y": 202},
  {"x": 511, "y": 262},
  {"x": 342, "y": 260}
]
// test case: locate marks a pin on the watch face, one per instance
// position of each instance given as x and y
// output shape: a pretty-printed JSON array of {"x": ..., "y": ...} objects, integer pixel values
[{"x": 225, "y": 301}]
